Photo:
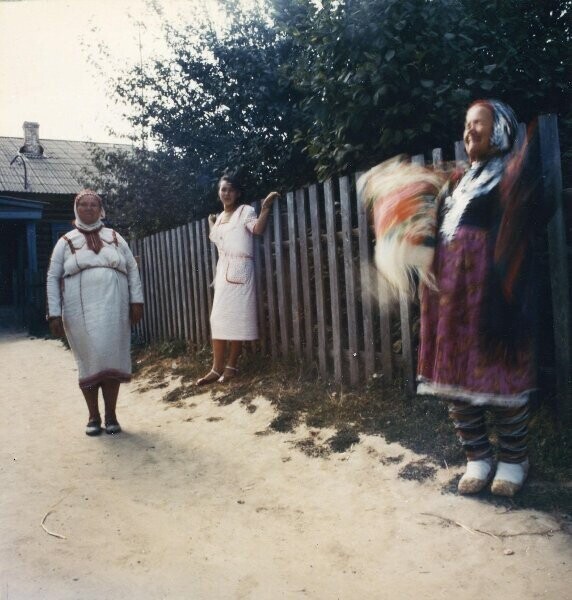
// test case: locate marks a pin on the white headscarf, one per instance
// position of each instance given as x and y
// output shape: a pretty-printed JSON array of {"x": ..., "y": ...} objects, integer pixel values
[{"x": 78, "y": 222}]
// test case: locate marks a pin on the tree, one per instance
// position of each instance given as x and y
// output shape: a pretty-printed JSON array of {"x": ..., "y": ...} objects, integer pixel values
[
  {"x": 379, "y": 77},
  {"x": 217, "y": 102},
  {"x": 290, "y": 90}
]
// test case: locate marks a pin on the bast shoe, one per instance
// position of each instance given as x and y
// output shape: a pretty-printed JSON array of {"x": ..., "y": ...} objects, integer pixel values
[
  {"x": 509, "y": 478},
  {"x": 112, "y": 427},
  {"x": 476, "y": 477},
  {"x": 93, "y": 427}
]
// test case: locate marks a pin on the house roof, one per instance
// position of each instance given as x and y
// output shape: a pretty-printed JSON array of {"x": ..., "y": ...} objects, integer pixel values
[{"x": 57, "y": 171}]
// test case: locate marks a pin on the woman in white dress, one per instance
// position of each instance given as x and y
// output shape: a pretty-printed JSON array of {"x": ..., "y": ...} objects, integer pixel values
[
  {"x": 234, "y": 315},
  {"x": 94, "y": 295}
]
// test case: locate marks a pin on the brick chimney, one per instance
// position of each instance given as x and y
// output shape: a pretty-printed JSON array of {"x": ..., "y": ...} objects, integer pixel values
[{"x": 32, "y": 146}]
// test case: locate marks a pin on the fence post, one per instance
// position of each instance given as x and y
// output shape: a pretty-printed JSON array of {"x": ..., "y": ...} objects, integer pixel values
[
  {"x": 366, "y": 286},
  {"x": 334, "y": 279},
  {"x": 557, "y": 248},
  {"x": 318, "y": 277},
  {"x": 294, "y": 288}
]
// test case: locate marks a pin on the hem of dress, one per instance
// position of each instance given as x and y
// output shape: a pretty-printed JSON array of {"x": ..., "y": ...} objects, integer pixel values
[
  {"x": 102, "y": 376},
  {"x": 431, "y": 388}
]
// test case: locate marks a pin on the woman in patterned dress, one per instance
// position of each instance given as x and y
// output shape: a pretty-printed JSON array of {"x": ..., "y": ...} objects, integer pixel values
[
  {"x": 461, "y": 357},
  {"x": 94, "y": 295},
  {"x": 234, "y": 316}
]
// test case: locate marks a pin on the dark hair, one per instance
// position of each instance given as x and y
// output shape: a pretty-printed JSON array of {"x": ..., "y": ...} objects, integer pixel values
[{"x": 236, "y": 184}]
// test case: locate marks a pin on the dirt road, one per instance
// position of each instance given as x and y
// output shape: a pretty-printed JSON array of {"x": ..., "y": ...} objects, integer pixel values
[{"x": 190, "y": 503}]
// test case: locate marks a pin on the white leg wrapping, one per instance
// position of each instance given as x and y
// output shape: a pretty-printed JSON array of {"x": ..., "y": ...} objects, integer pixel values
[{"x": 476, "y": 476}]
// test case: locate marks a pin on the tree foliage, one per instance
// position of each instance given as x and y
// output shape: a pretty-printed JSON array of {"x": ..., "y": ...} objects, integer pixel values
[
  {"x": 217, "y": 103},
  {"x": 293, "y": 90},
  {"x": 378, "y": 77}
]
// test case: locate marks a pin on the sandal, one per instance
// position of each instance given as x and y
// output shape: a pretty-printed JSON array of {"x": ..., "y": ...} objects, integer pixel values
[
  {"x": 228, "y": 376},
  {"x": 93, "y": 427},
  {"x": 208, "y": 379}
]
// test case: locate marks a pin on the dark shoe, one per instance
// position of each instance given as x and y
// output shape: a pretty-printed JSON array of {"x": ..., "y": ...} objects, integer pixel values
[
  {"x": 112, "y": 427},
  {"x": 93, "y": 427}
]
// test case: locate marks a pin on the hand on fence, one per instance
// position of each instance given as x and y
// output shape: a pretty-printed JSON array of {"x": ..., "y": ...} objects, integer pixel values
[
  {"x": 268, "y": 201},
  {"x": 135, "y": 313}
]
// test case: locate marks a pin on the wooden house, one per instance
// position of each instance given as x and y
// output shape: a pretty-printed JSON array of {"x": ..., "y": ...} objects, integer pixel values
[{"x": 38, "y": 181}]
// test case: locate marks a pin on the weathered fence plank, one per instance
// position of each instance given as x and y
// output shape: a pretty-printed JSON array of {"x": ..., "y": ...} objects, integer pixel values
[
  {"x": 184, "y": 306},
  {"x": 334, "y": 279},
  {"x": 161, "y": 273},
  {"x": 558, "y": 252},
  {"x": 270, "y": 295},
  {"x": 305, "y": 272},
  {"x": 294, "y": 287},
  {"x": 203, "y": 304},
  {"x": 318, "y": 277},
  {"x": 366, "y": 287},
  {"x": 187, "y": 278},
  {"x": 349, "y": 278},
  {"x": 195, "y": 283},
  {"x": 280, "y": 284}
]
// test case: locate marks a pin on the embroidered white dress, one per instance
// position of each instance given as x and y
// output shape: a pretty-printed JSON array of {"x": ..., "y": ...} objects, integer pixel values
[
  {"x": 233, "y": 315},
  {"x": 92, "y": 293}
]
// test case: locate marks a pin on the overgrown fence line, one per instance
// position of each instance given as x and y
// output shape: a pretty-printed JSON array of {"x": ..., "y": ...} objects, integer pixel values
[{"x": 318, "y": 297}]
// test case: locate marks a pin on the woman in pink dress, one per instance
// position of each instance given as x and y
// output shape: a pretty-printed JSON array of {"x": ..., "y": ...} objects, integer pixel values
[{"x": 234, "y": 314}]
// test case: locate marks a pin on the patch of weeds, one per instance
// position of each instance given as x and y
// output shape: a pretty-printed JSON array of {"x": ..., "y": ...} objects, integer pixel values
[
  {"x": 418, "y": 470},
  {"x": 343, "y": 439},
  {"x": 284, "y": 422},
  {"x": 247, "y": 403},
  {"x": 232, "y": 394},
  {"x": 179, "y": 394},
  {"x": 309, "y": 447},
  {"x": 421, "y": 424},
  {"x": 391, "y": 460}
]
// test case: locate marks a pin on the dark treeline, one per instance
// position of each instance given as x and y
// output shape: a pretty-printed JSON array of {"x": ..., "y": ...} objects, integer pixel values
[{"x": 292, "y": 91}]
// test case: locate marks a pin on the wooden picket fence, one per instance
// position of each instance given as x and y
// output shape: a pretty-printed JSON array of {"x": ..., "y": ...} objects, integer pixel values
[{"x": 318, "y": 297}]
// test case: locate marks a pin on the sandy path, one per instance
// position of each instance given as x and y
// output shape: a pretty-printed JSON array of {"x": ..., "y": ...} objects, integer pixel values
[{"x": 188, "y": 503}]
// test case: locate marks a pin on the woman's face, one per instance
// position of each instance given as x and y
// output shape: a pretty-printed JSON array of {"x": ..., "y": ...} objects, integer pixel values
[
  {"x": 88, "y": 209},
  {"x": 228, "y": 194},
  {"x": 478, "y": 131}
]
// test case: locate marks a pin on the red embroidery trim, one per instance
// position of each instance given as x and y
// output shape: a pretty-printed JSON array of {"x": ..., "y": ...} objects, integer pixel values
[{"x": 94, "y": 242}]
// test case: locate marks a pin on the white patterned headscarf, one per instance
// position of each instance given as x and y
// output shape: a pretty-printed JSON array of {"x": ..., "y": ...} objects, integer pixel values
[
  {"x": 481, "y": 177},
  {"x": 505, "y": 125},
  {"x": 78, "y": 222}
]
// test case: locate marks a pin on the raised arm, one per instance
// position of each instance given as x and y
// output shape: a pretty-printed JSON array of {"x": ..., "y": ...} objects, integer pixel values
[{"x": 261, "y": 222}]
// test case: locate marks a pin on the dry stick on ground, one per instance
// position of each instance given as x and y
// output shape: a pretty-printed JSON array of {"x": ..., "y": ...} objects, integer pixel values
[
  {"x": 57, "y": 535},
  {"x": 496, "y": 536}
]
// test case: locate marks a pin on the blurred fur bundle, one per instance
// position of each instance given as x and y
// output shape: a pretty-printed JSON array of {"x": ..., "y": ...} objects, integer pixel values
[{"x": 402, "y": 196}]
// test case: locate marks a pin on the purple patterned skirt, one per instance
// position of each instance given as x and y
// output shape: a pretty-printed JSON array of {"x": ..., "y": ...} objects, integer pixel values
[{"x": 452, "y": 363}]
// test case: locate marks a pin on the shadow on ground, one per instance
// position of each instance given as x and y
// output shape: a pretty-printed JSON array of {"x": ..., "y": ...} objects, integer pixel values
[{"x": 420, "y": 423}]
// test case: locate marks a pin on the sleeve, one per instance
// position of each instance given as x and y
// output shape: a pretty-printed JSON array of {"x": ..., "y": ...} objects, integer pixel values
[
  {"x": 55, "y": 274},
  {"x": 133, "y": 278},
  {"x": 249, "y": 217}
]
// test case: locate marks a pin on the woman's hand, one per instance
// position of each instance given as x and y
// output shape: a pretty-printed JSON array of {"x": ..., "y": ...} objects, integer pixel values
[
  {"x": 56, "y": 327},
  {"x": 212, "y": 219},
  {"x": 269, "y": 200},
  {"x": 135, "y": 313}
]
